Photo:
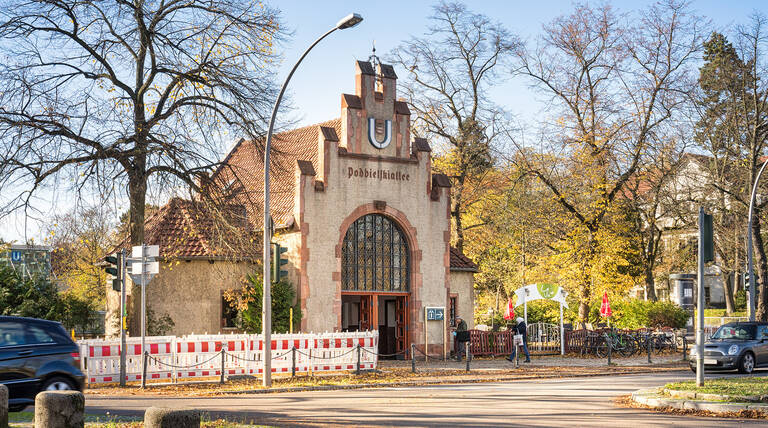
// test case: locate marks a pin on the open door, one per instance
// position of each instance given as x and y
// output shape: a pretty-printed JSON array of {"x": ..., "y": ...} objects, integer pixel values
[
  {"x": 365, "y": 313},
  {"x": 401, "y": 323}
]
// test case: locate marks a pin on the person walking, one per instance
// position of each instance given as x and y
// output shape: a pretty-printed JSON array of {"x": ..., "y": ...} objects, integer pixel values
[
  {"x": 462, "y": 337},
  {"x": 521, "y": 329}
]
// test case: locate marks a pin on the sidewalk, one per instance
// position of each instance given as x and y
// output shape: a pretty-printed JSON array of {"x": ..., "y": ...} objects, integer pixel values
[{"x": 500, "y": 363}]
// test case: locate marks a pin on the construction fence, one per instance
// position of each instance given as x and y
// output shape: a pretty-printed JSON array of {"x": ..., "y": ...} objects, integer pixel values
[{"x": 173, "y": 358}]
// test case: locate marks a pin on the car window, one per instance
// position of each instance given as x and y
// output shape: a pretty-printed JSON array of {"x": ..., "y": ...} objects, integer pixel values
[
  {"x": 762, "y": 332},
  {"x": 740, "y": 332},
  {"x": 38, "y": 335},
  {"x": 12, "y": 334}
]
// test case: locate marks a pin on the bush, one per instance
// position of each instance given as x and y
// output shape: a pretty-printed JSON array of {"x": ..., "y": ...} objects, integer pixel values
[
  {"x": 39, "y": 298},
  {"x": 740, "y": 300},
  {"x": 250, "y": 303},
  {"x": 636, "y": 313}
]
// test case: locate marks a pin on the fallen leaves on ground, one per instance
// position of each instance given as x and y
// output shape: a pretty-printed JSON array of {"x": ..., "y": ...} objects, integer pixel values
[
  {"x": 626, "y": 401},
  {"x": 373, "y": 378}
]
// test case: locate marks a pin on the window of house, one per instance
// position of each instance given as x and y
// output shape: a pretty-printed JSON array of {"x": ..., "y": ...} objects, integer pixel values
[
  {"x": 375, "y": 256},
  {"x": 706, "y": 295},
  {"x": 228, "y": 313},
  {"x": 452, "y": 311}
]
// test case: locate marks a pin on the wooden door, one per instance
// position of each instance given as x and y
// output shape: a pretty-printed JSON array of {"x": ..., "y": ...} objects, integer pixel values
[
  {"x": 401, "y": 323},
  {"x": 365, "y": 313}
]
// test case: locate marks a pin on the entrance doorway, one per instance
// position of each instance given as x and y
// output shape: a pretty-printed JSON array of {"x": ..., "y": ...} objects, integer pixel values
[{"x": 386, "y": 313}]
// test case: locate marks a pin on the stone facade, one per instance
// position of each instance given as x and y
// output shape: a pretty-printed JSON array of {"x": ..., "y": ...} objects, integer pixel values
[
  {"x": 329, "y": 176},
  {"x": 188, "y": 291}
]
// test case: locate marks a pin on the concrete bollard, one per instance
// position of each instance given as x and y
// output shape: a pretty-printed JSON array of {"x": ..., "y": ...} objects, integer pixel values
[
  {"x": 162, "y": 417},
  {"x": 3, "y": 406},
  {"x": 60, "y": 409}
]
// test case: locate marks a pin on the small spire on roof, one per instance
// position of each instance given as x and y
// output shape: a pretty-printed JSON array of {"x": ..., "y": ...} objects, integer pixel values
[{"x": 373, "y": 59}]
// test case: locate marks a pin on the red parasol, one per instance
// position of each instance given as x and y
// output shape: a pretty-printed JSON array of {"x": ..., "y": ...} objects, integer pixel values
[
  {"x": 510, "y": 314},
  {"x": 605, "y": 307}
]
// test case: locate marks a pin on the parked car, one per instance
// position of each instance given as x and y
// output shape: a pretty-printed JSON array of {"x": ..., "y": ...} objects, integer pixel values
[
  {"x": 742, "y": 346},
  {"x": 36, "y": 355}
]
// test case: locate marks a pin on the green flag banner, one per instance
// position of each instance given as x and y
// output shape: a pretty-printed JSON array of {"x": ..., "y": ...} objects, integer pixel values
[{"x": 541, "y": 291}]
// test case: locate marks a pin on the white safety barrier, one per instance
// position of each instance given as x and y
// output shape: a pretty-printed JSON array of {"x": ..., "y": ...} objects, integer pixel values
[{"x": 199, "y": 356}]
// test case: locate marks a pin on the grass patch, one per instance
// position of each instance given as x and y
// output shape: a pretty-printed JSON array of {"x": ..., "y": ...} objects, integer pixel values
[
  {"x": 742, "y": 386},
  {"x": 721, "y": 313},
  {"x": 25, "y": 419}
]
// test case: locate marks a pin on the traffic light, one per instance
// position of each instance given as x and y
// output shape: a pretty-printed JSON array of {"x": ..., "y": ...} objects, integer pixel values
[
  {"x": 113, "y": 269},
  {"x": 707, "y": 238},
  {"x": 278, "y": 261}
]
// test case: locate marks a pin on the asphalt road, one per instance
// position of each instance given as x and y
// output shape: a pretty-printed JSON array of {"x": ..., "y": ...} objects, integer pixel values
[{"x": 586, "y": 401}]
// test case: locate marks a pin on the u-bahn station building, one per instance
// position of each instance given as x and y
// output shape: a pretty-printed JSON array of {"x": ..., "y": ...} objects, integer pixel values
[{"x": 365, "y": 220}]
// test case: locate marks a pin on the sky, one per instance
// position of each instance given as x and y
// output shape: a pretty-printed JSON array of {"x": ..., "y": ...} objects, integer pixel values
[{"x": 328, "y": 70}]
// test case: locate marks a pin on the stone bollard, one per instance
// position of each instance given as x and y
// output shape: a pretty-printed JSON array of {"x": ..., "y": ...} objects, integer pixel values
[
  {"x": 60, "y": 409},
  {"x": 162, "y": 417},
  {"x": 3, "y": 406}
]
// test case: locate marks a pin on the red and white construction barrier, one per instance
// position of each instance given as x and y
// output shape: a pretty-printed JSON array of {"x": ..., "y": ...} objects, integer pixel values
[
  {"x": 199, "y": 356},
  {"x": 100, "y": 359}
]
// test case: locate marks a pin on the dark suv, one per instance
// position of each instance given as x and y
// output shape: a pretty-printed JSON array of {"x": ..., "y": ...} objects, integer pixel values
[{"x": 36, "y": 355}]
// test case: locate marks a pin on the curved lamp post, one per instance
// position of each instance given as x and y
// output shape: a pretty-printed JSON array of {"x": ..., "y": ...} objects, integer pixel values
[
  {"x": 266, "y": 321},
  {"x": 750, "y": 250}
]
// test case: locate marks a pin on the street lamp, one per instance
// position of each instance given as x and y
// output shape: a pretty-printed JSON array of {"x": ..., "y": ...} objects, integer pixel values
[
  {"x": 750, "y": 255},
  {"x": 266, "y": 314}
]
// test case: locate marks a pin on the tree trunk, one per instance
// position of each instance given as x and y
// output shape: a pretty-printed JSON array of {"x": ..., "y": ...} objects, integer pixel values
[
  {"x": 650, "y": 286},
  {"x": 137, "y": 194},
  {"x": 585, "y": 288},
  {"x": 728, "y": 287},
  {"x": 651, "y": 251},
  {"x": 762, "y": 270}
]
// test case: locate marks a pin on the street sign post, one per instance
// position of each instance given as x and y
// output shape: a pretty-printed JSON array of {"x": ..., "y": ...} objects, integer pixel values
[
  {"x": 144, "y": 266},
  {"x": 435, "y": 313}
]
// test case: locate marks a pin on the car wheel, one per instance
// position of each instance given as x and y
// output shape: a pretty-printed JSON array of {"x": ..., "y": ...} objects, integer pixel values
[
  {"x": 58, "y": 383},
  {"x": 16, "y": 407},
  {"x": 747, "y": 363}
]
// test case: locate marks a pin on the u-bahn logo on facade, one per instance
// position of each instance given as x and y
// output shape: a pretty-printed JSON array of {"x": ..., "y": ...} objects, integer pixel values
[{"x": 372, "y": 133}]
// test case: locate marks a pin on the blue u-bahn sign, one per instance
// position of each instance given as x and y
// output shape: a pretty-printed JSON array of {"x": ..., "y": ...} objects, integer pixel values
[{"x": 16, "y": 256}]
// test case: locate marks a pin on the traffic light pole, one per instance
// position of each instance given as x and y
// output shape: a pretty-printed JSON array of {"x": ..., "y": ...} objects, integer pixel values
[
  {"x": 700, "y": 307},
  {"x": 123, "y": 266}
]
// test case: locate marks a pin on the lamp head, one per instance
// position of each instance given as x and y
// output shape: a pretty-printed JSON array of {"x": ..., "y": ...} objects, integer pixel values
[{"x": 349, "y": 21}]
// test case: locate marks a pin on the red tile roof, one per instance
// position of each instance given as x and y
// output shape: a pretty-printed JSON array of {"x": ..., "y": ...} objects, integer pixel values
[
  {"x": 461, "y": 262},
  {"x": 246, "y": 162},
  {"x": 187, "y": 229}
]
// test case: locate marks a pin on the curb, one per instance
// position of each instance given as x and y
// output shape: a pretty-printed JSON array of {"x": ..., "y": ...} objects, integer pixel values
[
  {"x": 653, "y": 397},
  {"x": 690, "y": 395},
  {"x": 421, "y": 383}
]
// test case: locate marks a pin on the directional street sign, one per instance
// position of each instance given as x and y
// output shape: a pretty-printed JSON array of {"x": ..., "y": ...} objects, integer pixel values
[{"x": 435, "y": 314}]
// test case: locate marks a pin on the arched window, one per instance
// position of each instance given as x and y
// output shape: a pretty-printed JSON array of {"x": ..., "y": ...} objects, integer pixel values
[{"x": 374, "y": 256}]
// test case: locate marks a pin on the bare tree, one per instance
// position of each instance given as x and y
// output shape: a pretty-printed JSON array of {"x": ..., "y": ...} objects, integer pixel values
[
  {"x": 615, "y": 83},
  {"x": 129, "y": 93},
  {"x": 451, "y": 69}
]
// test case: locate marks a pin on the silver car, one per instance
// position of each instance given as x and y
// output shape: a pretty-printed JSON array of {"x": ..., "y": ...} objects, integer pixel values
[{"x": 738, "y": 345}]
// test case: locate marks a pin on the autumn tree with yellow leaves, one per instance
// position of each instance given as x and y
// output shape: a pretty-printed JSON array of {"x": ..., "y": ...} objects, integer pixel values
[
  {"x": 105, "y": 96},
  {"x": 615, "y": 84}
]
